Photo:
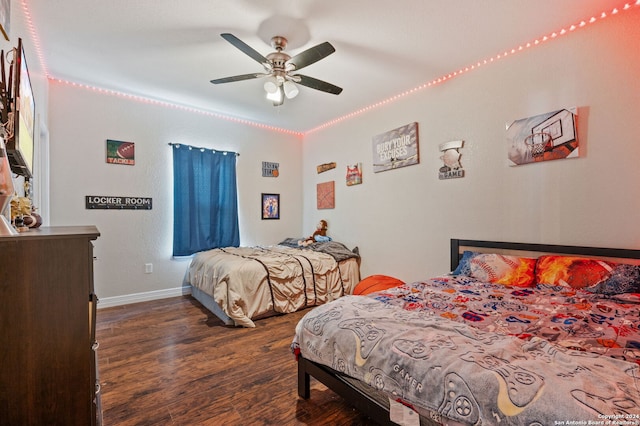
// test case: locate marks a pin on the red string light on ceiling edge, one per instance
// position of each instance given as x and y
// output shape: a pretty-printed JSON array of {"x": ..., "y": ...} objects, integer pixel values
[
  {"x": 478, "y": 64},
  {"x": 520, "y": 48},
  {"x": 151, "y": 101}
]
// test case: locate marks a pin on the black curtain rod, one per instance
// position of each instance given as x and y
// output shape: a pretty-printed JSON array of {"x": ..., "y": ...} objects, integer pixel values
[{"x": 199, "y": 147}]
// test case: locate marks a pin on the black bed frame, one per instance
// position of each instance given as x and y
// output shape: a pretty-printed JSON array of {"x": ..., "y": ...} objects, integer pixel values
[
  {"x": 373, "y": 408},
  {"x": 456, "y": 252}
]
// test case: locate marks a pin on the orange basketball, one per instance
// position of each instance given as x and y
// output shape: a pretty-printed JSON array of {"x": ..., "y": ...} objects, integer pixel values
[{"x": 375, "y": 283}]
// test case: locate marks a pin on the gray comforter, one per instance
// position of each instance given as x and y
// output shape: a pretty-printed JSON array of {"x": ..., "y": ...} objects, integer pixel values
[
  {"x": 450, "y": 370},
  {"x": 333, "y": 248}
]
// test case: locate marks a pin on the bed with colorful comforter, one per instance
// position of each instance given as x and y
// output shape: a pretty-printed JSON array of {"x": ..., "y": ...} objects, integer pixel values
[
  {"x": 507, "y": 340},
  {"x": 241, "y": 284}
]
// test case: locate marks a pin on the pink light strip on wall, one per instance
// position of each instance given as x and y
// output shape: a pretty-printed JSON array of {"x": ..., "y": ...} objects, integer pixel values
[
  {"x": 38, "y": 47},
  {"x": 477, "y": 65},
  {"x": 174, "y": 106},
  {"x": 34, "y": 37},
  {"x": 436, "y": 81}
]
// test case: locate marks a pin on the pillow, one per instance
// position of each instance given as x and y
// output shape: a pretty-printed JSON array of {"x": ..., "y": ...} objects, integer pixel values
[
  {"x": 375, "y": 283},
  {"x": 497, "y": 268},
  {"x": 463, "y": 266},
  {"x": 594, "y": 275}
]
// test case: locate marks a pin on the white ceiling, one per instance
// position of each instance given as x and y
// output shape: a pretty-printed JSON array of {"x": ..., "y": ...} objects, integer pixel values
[{"x": 169, "y": 50}]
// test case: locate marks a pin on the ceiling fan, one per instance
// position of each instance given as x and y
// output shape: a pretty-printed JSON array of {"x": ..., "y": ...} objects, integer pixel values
[{"x": 280, "y": 68}]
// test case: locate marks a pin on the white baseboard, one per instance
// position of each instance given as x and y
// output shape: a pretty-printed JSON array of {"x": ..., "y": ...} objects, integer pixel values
[{"x": 108, "y": 302}]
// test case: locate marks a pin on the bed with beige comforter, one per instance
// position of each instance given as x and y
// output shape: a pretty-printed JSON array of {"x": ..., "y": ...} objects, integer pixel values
[{"x": 248, "y": 283}]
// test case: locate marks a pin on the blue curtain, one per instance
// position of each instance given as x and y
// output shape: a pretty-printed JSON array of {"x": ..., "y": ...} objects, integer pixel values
[{"x": 205, "y": 200}]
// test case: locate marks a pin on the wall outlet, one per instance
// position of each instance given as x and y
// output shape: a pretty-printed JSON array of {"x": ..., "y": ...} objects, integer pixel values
[{"x": 148, "y": 268}]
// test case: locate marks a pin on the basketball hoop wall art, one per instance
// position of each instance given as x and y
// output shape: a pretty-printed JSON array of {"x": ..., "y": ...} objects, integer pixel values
[
  {"x": 396, "y": 148},
  {"x": 544, "y": 137}
]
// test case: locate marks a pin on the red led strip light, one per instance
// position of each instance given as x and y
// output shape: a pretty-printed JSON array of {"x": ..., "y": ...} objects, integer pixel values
[
  {"x": 442, "y": 79},
  {"x": 472, "y": 67}
]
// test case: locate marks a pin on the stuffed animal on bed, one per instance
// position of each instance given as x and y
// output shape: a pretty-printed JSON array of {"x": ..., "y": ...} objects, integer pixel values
[{"x": 319, "y": 235}]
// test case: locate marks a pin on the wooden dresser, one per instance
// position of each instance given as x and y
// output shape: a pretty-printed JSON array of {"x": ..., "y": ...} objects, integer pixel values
[{"x": 48, "y": 362}]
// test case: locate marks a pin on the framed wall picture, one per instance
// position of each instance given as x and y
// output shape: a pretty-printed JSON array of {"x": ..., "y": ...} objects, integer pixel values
[
  {"x": 270, "y": 169},
  {"x": 354, "y": 174},
  {"x": 270, "y": 204},
  {"x": 119, "y": 152},
  {"x": 326, "y": 195},
  {"x": 396, "y": 148},
  {"x": 543, "y": 137}
]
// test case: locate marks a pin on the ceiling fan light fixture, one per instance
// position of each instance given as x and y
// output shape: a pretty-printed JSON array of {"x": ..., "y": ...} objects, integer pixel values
[
  {"x": 275, "y": 97},
  {"x": 279, "y": 66},
  {"x": 271, "y": 86},
  {"x": 290, "y": 89}
]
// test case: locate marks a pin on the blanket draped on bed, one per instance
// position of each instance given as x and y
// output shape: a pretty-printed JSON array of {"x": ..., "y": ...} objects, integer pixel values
[
  {"x": 334, "y": 249},
  {"x": 479, "y": 353},
  {"x": 248, "y": 282}
]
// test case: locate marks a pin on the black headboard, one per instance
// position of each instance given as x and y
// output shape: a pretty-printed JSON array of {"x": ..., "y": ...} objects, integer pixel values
[{"x": 533, "y": 250}]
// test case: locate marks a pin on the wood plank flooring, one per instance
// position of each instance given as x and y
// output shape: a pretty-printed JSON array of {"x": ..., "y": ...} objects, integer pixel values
[{"x": 172, "y": 362}]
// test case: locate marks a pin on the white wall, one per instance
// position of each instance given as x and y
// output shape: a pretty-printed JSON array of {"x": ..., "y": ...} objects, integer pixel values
[
  {"x": 81, "y": 120},
  {"x": 402, "y": 219}
]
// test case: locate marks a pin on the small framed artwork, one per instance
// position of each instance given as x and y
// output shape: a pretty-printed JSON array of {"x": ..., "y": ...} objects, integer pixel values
[
  {"x": 325, "y": 195},
  {"x": 270, "y": 169},
  {"x": 119, "y": 152},
  {"x": 354, "y": 174},
  {"x": 270, "y": 204}
]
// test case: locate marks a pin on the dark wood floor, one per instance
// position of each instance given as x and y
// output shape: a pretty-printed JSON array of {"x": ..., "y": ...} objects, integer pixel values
[{"x": 172, "y": 362}]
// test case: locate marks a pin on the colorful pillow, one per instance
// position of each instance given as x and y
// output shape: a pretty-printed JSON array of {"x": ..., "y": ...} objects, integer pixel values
[
  {"x": 497, "y": 268},
  {"x": 463, "y": 265},
  {"x": 375, "y": 283},
  {"x": 594, "y": 275}
]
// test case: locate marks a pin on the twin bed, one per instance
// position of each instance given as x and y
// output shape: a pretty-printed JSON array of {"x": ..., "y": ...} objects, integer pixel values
[
  {"x": 242, "y": 284},
  {"x": 524, "y": 334}
]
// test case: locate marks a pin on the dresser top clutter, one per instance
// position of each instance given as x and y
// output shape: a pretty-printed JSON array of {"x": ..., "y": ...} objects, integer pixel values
[{"x": 57, "y": 232}]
